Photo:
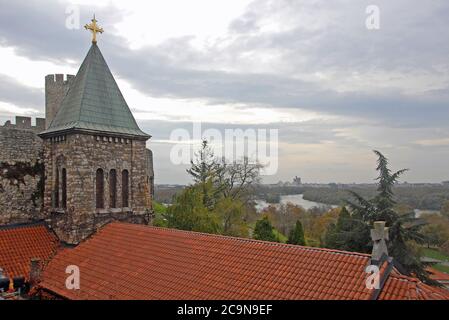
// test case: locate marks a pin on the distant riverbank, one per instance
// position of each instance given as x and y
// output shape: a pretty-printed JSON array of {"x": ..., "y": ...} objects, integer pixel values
[{"x": 298, "y": 199}]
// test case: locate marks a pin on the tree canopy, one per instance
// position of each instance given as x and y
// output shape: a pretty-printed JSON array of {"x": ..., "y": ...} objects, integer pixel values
[
  {"x": 402, "y": 228},
  {"x": 264, "y": 230},
  {"x": 296, "y": 235},
  {"x": 218, "y": 199}
]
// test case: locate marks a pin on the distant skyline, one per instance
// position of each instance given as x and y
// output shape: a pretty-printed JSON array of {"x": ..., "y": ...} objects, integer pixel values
[{"x": 334, "y": 89}]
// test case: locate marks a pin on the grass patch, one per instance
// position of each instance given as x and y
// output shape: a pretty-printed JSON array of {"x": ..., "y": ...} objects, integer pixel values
[
  {"x": 434, "y": 254},
  {"x": 280, "y": 236},
  {"x": 441, "y": 268},
  {"x": 159, "y": 211},
  {"x": 159, "y": 208}
]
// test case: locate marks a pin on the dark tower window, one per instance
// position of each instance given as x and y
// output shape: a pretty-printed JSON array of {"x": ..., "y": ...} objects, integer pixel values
[
  {"x": 152, "y": 186},
  {"x": 64, "y": 188},
  {"x": 125, "y": 188},
  {"x": 56, "y": 200},
  {"x": 113, "y": 188},
  {"x": 99, "y": 180}
]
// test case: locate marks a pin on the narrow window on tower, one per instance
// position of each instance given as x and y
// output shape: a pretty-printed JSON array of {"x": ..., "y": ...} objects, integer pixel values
[
  {"x": 64, "y": 188},
  {"x": 125, "y": 188},
  {"x": 56, "y": 191},
  {"x": 99, "y": 179},
  {"x": 113, "y": 188},
  {"x": 152, "y": 186}
]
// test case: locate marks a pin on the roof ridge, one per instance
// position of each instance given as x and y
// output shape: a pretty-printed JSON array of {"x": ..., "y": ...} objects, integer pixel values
[
  {"x": 23, "y": 225},
  {"x": 403, "y": 277},
  {"x": 83, "y": 88},
  {"x": 420, "y": 286},
  {"x": 307, "y": 248}
]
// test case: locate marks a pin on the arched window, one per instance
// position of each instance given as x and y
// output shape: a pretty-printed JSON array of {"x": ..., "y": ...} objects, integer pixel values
[
  {"x": 56, "y": 191},
  {"x": 99, "y": 180},
  {"x": 113, "y": 188},
  {"x": 125, "y": 188},
  {"x": 64, "y": 188}
]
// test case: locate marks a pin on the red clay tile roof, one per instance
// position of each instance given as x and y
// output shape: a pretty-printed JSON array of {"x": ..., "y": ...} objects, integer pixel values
[
  {"x": 437, "y": 275},
  {"x": 125, "y": 261},
  {"x": 400, "y": 287},
  {"x": 19, "y": 244}
]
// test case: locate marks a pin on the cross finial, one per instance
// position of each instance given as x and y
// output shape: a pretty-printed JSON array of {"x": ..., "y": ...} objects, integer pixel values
[{"x": 94, "y": 28}]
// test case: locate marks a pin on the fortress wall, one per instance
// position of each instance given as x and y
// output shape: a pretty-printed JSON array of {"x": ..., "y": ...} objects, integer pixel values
[{"x": 21, "y": 174}]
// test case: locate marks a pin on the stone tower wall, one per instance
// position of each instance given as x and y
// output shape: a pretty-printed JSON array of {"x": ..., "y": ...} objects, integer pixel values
[
  {"x": 21, "y": 173},
  {"x": 81, "y": 155},
  {"x": 55, "y": 90}
]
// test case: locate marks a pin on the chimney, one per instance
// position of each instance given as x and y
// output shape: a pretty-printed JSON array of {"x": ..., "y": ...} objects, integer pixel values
[
  {"x": 4, "y": 282},
  {"x": 35, "y": 271},
  {"x": 379, "y": 235}
]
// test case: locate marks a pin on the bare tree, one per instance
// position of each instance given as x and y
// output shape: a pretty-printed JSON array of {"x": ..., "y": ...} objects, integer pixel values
[{"x": 237, "y": 179}]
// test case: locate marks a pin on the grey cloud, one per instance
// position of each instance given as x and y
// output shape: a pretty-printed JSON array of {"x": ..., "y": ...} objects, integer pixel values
[
  {"x": 37, "y": 29},
  {"x": 343, "y": 44},
  {"x": 14, "y": 92},
  {"x": 414, "y": 38},
  {"x": 412, "y": 33}
]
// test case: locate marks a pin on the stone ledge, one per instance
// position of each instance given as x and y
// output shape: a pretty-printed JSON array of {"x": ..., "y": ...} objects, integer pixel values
[{"x": 113, "y": 210}]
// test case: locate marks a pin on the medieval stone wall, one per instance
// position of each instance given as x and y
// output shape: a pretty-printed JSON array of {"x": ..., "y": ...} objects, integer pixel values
[
  {"x": 81, "y": 155},
  {"x": 21, "y": 173}
]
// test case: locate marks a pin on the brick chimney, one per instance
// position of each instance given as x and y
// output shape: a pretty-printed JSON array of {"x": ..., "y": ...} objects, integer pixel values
[
  {"x": 379, "y": 235},
  {"x": 35, "y": 271}
]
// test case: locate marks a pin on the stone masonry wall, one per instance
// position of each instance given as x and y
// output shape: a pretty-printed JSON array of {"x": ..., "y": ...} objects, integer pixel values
[
  {"x": 81, "y": 155},
  {"x": 21, "y": 175}
]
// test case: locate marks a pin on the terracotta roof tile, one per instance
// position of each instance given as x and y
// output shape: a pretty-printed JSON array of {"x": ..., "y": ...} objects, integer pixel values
[
  {"x": 19, "y": 244},
  {"x": 400, "y": 287},
  {"x": 125, "y": 261},
  {"x": 437, "y": 275}
]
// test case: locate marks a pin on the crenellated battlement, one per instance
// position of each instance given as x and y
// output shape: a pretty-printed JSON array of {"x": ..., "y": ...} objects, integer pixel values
[
  {"x": 24, "y": 123},
  {"x": 59, "y": 79}
]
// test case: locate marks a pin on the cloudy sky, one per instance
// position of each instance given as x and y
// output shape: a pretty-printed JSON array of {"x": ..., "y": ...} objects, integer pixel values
[{"x": 333, "y": 88}]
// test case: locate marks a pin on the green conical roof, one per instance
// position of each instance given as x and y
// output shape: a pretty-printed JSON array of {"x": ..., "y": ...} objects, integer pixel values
[{"x": 94, "y": 102}]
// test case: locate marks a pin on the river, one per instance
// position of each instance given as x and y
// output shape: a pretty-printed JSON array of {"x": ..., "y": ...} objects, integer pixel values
[{"x": 296, "y": 199}]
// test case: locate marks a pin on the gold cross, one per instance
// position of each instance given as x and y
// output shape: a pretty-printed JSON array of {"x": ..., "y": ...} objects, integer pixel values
[{"x": 94, "y": 28}]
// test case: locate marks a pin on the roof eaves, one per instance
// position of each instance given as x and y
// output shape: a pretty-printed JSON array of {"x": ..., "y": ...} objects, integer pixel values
[
  {"x": 79, "y": 128},
  {"x": 23, "y": 225}
]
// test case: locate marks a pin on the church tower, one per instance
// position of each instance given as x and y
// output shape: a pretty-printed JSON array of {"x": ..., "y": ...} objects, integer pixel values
[{"x": 96, "y": 161}]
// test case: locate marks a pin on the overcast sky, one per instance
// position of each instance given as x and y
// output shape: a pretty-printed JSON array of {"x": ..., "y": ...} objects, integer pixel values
[{"x": 312, "y": 69}]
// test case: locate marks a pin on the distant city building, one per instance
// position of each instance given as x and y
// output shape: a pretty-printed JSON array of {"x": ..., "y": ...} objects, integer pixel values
[{"x": 297, "y": 181}]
